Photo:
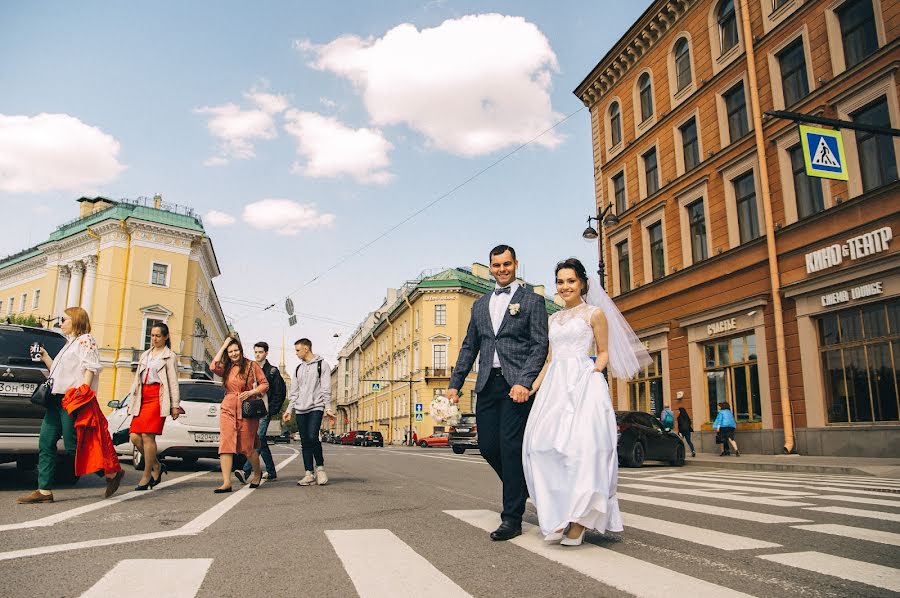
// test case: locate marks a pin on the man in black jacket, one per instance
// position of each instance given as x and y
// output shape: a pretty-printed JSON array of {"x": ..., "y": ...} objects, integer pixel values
[{"x": 277, "y": 393}]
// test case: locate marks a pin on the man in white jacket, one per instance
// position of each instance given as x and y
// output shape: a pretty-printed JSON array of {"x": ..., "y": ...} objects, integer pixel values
[{"x": 308, "y": 401}]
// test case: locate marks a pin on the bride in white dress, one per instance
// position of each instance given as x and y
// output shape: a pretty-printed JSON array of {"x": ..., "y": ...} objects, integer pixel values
[{"x": 569, "y": 451}]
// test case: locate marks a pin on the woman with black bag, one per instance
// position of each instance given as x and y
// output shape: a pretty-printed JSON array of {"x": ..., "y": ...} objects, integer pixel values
[{"x": 245, "y": 387}]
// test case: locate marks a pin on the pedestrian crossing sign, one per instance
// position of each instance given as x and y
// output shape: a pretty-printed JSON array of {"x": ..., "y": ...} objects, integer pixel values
[
  {"x": 419, "y": 417},
  {"x": 823, "y": 153},
  {"x": 376, "y": 387}
]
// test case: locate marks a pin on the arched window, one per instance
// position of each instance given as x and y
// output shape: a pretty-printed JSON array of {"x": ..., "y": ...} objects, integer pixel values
[
  {"x": 728, "y": 28},
  {"x": 645, "y": 91},
  {"x": 615, "y": 124},
  {"x": 682, "y": 63}
]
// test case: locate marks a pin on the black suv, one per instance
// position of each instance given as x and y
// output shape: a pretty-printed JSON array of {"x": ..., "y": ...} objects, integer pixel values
[
  {"x": 642, "y": 437},
  {"x": 464, "y": 434},
  {"x": 20, "y": 421},
  {"x": 373, "y": 439}
]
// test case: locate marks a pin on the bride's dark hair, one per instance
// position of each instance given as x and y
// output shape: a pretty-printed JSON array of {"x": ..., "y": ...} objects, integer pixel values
[{"x": 575, "y": 265}]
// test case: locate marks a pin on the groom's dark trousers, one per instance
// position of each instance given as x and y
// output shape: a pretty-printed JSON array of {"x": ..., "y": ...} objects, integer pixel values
[{"x": 501, "y": 428}]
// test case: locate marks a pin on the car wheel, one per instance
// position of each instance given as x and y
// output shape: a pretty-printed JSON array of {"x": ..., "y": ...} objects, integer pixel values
[
  {"x": 189, "y": 460},
  {"x": 459, "y": 450},
  {"x": 636, "y": 457},
  {"x": 678, "y": 461},
  {"x": 137, "y": 458},
  {"x": 423, "y": 444}
]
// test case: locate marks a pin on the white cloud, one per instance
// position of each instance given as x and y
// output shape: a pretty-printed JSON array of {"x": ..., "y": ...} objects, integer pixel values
[
  {"x": 51, "y": 152},
  {"x": 328, "y": 102},
  {"x": 217, "y": 218},
  {"x": 471, "y": 86},
  {"x": 330, "y": 148},
  {"x": 285, "y": 217},
  {"x": 237, "y": 128}
]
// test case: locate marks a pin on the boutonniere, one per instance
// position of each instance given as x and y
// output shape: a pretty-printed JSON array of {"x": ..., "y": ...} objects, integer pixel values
[{"x": 514, "y": 308}]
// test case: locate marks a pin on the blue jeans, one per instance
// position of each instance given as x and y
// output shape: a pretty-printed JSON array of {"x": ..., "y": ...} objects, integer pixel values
[
  {"x": 264, "y": 453},
  {"x": 308, "y": 425}
]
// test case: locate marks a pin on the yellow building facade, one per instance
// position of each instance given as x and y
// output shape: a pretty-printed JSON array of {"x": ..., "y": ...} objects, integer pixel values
[
  {"x": 129, "y": 264},
  {"x": 402, "y": 355}
]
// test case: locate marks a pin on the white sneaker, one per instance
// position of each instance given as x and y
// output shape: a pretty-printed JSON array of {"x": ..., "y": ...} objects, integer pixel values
[
  {"x": 321, "y": 476},
  {"x": 307, "y": 480}
]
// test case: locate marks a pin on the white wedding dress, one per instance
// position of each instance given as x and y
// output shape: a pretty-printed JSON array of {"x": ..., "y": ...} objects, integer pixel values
[{"x": 569, "y": 451}]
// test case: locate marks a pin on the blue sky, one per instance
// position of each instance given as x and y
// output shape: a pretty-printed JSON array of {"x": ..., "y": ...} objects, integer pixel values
[{"x": 350, "y": 123}]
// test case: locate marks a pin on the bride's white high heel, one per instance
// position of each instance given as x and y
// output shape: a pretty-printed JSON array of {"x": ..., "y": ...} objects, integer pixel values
[
  {"x": 567, "y": 541},
  {"x": 554, "y": 537}
]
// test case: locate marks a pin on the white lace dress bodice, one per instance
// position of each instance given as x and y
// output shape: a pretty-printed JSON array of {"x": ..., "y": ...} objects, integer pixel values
[{"x": 570, "y": 332}]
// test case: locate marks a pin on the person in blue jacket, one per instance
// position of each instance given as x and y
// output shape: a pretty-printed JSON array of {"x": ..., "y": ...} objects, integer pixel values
[{"x": 725, "y": 426}]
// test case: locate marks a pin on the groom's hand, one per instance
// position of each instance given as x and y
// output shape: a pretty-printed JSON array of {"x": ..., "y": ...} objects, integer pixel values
[
  {"x": 453, "y": 395},
  {"x": 518, "y": 393}
]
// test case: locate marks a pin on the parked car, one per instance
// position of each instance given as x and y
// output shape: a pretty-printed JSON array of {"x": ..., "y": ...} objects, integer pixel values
[
  {"x": 373, "y": 439},
  {"x": 192, "y": 436},
  {"x": 274, "y": 433},
  {"x": 350, "y": 437},
  {"x": 284, "y": 437},
  {"x": 642, "y": 437},
  {"x": 436, "y": 439},
  {"x": 20, "y": 421},
  {"x": 464, "y": 435}
]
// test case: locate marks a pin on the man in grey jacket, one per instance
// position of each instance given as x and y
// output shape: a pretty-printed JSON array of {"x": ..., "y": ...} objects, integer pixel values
[{"x": 309, "y": 400}]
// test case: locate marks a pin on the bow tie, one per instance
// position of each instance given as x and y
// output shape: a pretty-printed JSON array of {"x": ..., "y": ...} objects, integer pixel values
[{"x": 501, "y": 291}]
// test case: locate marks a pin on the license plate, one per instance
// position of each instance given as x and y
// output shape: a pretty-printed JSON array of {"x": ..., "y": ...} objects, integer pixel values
[
  {"x": 22, "y": 389},
  {"x": 206, "y": 437},
  {"x": 463, "y": 430}
]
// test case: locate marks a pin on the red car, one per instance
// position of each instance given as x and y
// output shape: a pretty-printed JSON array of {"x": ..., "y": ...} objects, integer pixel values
[
  {"x": 349, "y": 437},
  {"x": 439, "y": 439}
]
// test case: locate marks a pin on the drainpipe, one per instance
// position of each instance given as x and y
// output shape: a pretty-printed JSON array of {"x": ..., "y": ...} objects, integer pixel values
[
  {"x": 121, "y": 306},
  {"x": 391, "y": 419},
  {"x": 774, "y": 275},
  {"x": 410, "y": 397}
]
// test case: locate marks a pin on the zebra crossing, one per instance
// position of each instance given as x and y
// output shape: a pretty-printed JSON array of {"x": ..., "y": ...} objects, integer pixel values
[{"x": 770, "y": 519}]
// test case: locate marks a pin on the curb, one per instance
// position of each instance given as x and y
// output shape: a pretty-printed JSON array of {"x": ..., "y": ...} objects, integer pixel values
[{"x": 736, "y": 463}]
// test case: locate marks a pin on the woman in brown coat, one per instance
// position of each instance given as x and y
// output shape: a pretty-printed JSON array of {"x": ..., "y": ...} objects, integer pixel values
[{"x": 243, "y": 379}]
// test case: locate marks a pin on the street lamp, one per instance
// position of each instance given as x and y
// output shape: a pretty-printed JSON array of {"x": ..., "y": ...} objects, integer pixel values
[{"x": 603, "y": 218}]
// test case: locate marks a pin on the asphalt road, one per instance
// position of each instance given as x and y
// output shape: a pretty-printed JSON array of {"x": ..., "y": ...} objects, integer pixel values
[{"x": 381, "y": 528}]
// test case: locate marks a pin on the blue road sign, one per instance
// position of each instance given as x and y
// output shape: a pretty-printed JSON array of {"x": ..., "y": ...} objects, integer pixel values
[
  {"x": 376, "y": 386},
  {"x": 823, "y": 153},
  {"x": 418, "y": 407},
  {"x": 418, "y": 417}
]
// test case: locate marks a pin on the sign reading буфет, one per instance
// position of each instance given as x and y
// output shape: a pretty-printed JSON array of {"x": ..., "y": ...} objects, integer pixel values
[{"x": 864, "y": 245}]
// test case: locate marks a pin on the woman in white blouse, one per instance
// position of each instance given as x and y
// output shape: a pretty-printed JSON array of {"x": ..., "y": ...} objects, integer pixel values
[
  {"x": 77, "y": 363},
  {"x": 153, "y": 397}
]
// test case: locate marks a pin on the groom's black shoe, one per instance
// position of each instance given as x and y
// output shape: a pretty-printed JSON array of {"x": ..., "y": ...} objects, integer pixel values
[{"x": 506, "y": 531}]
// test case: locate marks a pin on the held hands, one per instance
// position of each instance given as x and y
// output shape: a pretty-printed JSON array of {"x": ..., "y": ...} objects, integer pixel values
[
  {"x": 453, "y": 395},
  {"x": 519, "y": 394}
]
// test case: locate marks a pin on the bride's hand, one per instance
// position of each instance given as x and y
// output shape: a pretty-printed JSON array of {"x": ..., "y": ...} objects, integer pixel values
[{"x": 533, "y": 392}]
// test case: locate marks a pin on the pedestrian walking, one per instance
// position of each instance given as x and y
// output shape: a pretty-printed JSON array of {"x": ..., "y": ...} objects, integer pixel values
[
  {"x": 153, "y": 397},
  {"x": 277, "y": 392},
  {"x": 75, "y": 374},
  {"x": 415, "y": 438},
  {"x": 308, "y": 401},
  {"x": 244, "y": 379},
  {"x": 725, "y": 426},
  {"x": 685, "y": 428},
  {"x": 667, "y": 417}
]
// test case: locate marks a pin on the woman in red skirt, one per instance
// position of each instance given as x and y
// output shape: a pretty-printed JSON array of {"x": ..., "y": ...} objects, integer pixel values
[{"x": 154, "y": 396}]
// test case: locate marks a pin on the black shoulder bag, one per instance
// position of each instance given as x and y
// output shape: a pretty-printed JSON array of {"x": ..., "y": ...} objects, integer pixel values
[
  {"x": 255, "y": 407},
  {"x": 43, "y": 393}
]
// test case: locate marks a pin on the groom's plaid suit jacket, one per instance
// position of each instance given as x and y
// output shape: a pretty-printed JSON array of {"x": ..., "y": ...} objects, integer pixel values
[{"x": 520, "y": 342}]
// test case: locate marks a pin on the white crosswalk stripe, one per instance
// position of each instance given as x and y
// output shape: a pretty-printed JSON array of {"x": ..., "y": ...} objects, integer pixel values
[
  {"x": 772, "y": 502},
  {"x": 743, "y": 515},
  {"x": 862, "y": 500},
  {"x": 858, "y": 533},
  {"x": 858, "y": 513},
  {"x": 697, "y": 535},
  {"x": 140, "y": 578},
  {"x": 879, "y": 576}
]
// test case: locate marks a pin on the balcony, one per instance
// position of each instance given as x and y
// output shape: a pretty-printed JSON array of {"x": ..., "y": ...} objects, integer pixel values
[
  {"x": 200, "y": 370},
  {"x": 438, "y": 372}
]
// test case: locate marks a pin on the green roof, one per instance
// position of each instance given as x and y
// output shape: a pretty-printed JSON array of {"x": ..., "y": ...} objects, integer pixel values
[
  {"x": 19, "y": 257},
  {"x": 123, "y": 211}
]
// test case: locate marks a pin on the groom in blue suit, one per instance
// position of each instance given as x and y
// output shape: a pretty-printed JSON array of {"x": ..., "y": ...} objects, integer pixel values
[{"x": 508, "y": 333}]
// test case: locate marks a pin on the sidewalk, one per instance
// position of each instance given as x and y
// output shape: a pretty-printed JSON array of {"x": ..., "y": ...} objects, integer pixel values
[{"x": 862, "y": 466}]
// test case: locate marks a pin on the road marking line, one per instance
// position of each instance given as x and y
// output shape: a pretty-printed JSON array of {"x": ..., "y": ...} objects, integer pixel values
[
  {"x": 857, "y": 513},
  {"x": 697, "y": 535},
  {"x": 758, "y": 500},
  {"x": 95, "y": 506},
  {"x": 191, "y": 528},
  {"x": 817, "y": 486},
  {"x": 142, "y": 578},
  {"x": 381, "y": 564},
  {"x": 606, "y": 566},
  {"x": 862, "y": 500},
  {"x": 857, "y": 533},
  {"x": 739, "y": 486},
  {"x": 762, "y": 479},
  {"x": 879, "y": 576},
  {"x": 710, "y": 509},
  {"x": 460, "y": 460}
]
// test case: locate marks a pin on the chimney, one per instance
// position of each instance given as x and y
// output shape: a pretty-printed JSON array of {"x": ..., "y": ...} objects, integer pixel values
[
  {"x": 85, "y": 206},
  {"x": 481, "y": 271},
  {"x": 157, "y": 201}
]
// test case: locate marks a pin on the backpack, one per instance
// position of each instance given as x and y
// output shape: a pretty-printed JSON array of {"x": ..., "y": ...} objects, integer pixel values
[
  {"x": 319, "y": 368},
  {"x": 668, "y": 419}
]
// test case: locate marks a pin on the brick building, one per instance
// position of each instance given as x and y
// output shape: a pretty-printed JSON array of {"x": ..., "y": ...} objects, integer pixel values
[{"x": 712, "y": 217}]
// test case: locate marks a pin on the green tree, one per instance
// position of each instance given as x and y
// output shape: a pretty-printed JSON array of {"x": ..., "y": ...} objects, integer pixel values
[{"x": 28, "y": 320}]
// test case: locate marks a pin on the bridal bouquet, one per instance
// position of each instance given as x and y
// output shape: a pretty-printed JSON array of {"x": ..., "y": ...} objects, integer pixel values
[{"x": 444, "y": 411}]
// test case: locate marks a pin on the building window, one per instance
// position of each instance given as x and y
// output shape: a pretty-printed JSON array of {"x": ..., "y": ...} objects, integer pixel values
[
  {"x": 794, "y": 83},
  {"x": 877, "y": 161},
  {"x": 860, "y": 350},
  {"x": 657, "y": 255},
  {"x": 615, "y": 124},
  {"x": 440, "y": 315},
  {"x": 728, "y": 28},
  {"x": 159, "y": 275},
  {"x": 645, "y": 92},
  {"x": 682, "y": 63},
  {"x": 37, "y": 299},
  {"x": 732, "y": 377},
  {"x": 747, "y": 213},
  {"x": 697, "y": 220},
  {"x": 24, "y": 302},
  {"x": 148, "y": 327},
  {"x": 776, "y": 4},
  {"x": 690, "y": 144},
  {"x": 645, "y": 392},
  {"x": 736, "y": 109},
  {"x": 439, "y": 359},
  {"x": 857, "y": 21},
  {"x": 807, "y": 189},
  {"x": 618, "y": 182},
  {"x": 12, "y": 304},
  {"x": 651, "y": 172},
  {"x": 1, "y": 306},
  {"x": 624, "y": 267}
]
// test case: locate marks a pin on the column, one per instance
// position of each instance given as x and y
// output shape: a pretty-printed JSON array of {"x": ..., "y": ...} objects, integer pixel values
[
  {"x": 90, "y": 278},
  {"x": 74, "y": 297},
  {"x": 62, "y": 289}
]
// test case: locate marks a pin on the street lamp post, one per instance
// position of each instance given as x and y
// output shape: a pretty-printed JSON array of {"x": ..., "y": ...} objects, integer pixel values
[{"x": 603, "y": 218}]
